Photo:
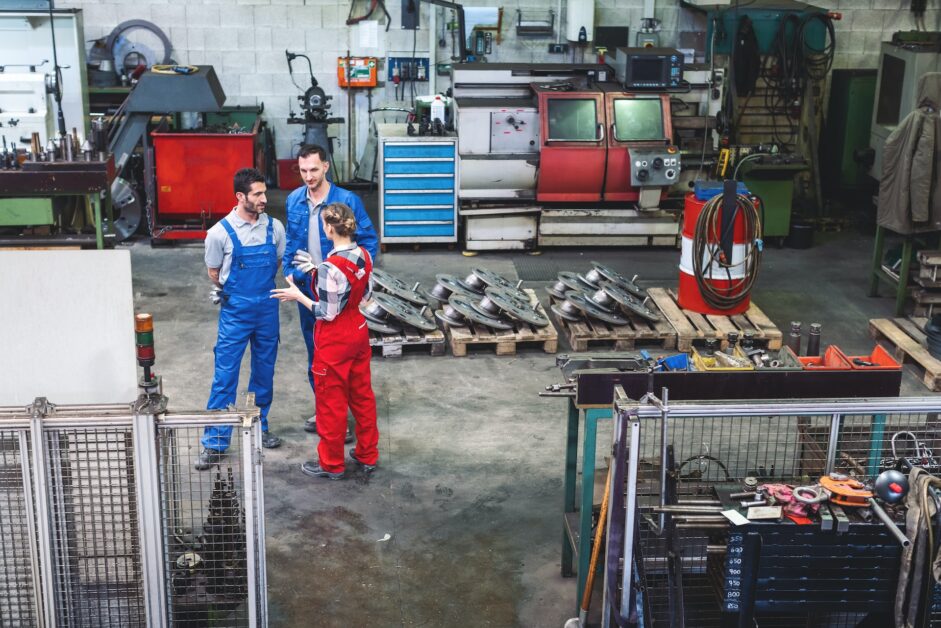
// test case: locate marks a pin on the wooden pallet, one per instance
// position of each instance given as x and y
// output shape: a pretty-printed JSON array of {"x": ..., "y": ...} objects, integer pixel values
[
  {"x": 907, "y": 337},
  {"x": 692, "y": 326},
  {"x": 392, "y": 345},
  {"x": 639, "y": 333},
  {"x": 505, "y": 341}
]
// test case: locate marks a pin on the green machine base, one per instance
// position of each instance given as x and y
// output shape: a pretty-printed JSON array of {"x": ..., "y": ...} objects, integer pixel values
[{"x": 25, "y": 212}]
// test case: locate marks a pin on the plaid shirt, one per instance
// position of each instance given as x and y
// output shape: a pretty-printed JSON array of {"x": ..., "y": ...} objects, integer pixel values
[{"x": 333, "y": 288}]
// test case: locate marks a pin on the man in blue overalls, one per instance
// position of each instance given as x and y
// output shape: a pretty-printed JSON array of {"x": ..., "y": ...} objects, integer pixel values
[
  {"x": 243, "y": 252},
  {"x": 308, "y": 245}
]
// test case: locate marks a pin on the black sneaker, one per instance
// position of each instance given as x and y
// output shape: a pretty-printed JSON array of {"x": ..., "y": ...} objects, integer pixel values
[
  {"x": 310, "y": 425},
  {"x": 312, "y": 468},
  {"x": 270, "y": 441},
  {"x": 368, "y": 468},
  {"x": 349, "y": 437},
  {"x": 208, "y": 458}
]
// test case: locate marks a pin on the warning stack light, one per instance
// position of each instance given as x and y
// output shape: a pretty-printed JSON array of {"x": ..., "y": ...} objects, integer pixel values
[{"x": 144, "y": 339}]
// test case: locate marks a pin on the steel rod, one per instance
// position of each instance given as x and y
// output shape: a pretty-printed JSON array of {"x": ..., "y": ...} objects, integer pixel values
[{"x": 887, "y": 520}]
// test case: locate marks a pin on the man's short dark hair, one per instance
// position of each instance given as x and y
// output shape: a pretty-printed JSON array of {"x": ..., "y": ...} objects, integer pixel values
[
  {"x": 312, "y": 149},
  {"x": 244, "y": 179}
]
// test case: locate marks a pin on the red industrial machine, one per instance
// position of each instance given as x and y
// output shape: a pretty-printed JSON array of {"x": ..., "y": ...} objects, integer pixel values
[
  {"x": 194, "y": 179},
  {"x": 590, "y": 136}
]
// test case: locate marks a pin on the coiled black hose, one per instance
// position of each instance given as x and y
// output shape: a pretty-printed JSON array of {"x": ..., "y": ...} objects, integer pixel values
[{"x": 708, "y": 253}]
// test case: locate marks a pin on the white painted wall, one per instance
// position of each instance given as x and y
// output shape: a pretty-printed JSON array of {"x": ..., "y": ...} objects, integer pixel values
[
  {"x": 67, "y": 327},
  {"x": 245, "y": 41}
]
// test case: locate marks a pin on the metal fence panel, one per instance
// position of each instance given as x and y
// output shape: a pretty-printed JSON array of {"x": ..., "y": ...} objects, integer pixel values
[
  {"x": 18, "y": 569},
  {"x": 685, "y": 451},
  {"x": 105, "y": 522}
]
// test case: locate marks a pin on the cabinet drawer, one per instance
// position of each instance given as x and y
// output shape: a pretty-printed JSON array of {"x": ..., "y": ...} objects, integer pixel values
[
  {"x": 418, "y": 167},
  {"x": 407, "y": 197},
  {"x": 414, "y": 213},
  {"x": 405, "y": 230},
  {"x": 416, "y": 149},
  {"x": 404, "y": 182}
]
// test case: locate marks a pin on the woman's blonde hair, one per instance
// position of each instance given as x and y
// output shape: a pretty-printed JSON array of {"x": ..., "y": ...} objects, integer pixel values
[{"x": 341, "y": 218}]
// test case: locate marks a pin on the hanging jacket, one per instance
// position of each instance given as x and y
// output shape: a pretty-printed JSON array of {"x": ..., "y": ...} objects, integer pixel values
[{"x": 910, "y": 186}]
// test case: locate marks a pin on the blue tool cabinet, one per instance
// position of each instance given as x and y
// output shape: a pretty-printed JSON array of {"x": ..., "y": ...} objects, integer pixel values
[{"x": 418, "y": 185}]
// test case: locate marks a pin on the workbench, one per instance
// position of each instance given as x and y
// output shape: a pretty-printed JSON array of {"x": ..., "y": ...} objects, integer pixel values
[
  {"x": 36, "y": 180},
  {"x": 589, "y": 382}
]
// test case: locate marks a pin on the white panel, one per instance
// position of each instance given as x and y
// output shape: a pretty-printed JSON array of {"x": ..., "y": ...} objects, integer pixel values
[
  {"x": 67, "y": 327},
  {"x": 579, "y": 14}
]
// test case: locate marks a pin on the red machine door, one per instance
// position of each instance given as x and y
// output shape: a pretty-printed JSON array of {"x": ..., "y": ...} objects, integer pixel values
[
  {"x": 641, "y": 120},
  {"x": 571, "y": 160}
]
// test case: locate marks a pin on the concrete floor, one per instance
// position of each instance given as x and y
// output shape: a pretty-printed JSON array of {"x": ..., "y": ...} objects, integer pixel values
[{"x": 469, "y": 490}]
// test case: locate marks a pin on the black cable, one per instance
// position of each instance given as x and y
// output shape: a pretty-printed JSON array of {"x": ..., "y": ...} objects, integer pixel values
[
  {"x": 708, "y": 253},
  {"x": 60, "y": 115}
]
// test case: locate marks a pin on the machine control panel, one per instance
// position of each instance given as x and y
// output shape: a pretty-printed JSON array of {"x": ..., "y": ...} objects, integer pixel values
[{"x": 655, "y": 167}]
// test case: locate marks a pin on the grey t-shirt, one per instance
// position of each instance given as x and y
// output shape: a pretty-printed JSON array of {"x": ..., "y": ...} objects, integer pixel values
[{"x": 219, "y": 245}]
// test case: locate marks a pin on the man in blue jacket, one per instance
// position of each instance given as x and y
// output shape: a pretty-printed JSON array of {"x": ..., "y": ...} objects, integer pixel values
[{"x": 307, "y": 246}]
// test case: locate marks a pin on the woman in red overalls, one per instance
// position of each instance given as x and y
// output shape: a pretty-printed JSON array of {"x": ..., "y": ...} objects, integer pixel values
[{"x": 342, "y": 377}]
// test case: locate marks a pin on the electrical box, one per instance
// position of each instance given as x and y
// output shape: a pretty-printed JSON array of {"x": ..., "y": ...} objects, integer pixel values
[
  {"x": 407, "y": 68},
  {"x": 357, "y": 71},
  {"x": 514, "y": 132}
]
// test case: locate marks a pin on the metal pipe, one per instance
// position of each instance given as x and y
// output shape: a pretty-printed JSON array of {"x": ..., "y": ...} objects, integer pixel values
[
  {"x": 629, "y": 521},
  {"x": 835, "y": 421},
  {"x": 664, "y": 443},
  {"x": 909, "y": 405},
  {"x": 703, "y": 526},
  {"x": 680, "y": 509},
  {"x": 716, "y": 549},
  {"x": 887, "y": 520},
  {"x": 251, "y": 538},
  {"x": 703, "y": 518},
  {"x": 698, "y": 502}
]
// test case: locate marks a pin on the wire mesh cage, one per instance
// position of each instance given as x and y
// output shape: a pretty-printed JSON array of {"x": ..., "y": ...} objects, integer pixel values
[
  {"x": 96, "y": 543},
  {"x": 18, "y": 583},
  {"x": 205, "y": 550},
  {"x": 104, "y": 521},
  {"x": 686, "y": 459}
]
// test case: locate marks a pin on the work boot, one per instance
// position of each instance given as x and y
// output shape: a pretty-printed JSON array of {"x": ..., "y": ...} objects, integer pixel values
[
  {"x": 310, "y": 425},
  {"x": 270, "y": 441},
  {"x": 367, "y": 468},
  {"x": 312, "y": 468},
  {"x": 207, "y": 458}
]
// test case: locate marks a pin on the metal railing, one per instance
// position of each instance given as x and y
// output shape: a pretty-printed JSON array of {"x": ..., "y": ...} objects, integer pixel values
[
  {"x": 667, "y": 454},
  {"x": 105, "y": 522}
]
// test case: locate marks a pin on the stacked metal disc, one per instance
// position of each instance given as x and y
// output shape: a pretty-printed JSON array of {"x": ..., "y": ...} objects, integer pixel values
[
  {"x": 396, "y": 306},
  {"x": 603, "y": 294},
  {"x": 485, "y": 298}
]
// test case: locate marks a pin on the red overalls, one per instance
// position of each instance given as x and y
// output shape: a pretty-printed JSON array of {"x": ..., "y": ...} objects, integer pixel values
[{"x": 342, "y": 378}]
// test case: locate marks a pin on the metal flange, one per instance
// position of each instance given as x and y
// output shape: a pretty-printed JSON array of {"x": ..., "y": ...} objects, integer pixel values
[
  {"x": 445, "y": 286},
  {"x": 382, "y": 328},
  {"x": 602, "y": 272},
  {"x": 377, "y": 319},
  {"x": 573, "y": 281},
  {"x": 461, "y": 308},
  {"x": 397, "y": 288},
  {"x": 590, "y": 308},
  {"x": 565, "y": 309},
  {"x": 480, "y": 279},
  {"x": 629, "y": 303},
  {"x": 510, "y": 305},
  {"x": 404, "y": 311}
]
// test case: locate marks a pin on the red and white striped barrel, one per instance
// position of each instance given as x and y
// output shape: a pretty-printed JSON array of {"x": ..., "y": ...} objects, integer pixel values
[{"x": 722, "y": 279}]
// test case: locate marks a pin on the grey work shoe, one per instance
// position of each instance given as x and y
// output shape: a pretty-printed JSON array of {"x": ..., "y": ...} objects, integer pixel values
[
  {"x": 312, "y": 468},
  {"x": 270, "y": 441},
  {"x": 207, "y": 458},
  {"x": 367, "y": 468},
  {"x": 310, "y": 425}
]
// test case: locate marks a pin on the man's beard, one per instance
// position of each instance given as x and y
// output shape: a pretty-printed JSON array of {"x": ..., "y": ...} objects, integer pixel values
[{"x": 252, "y": 208}]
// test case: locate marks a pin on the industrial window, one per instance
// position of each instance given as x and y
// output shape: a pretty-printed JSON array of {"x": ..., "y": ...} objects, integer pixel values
[
  {"x": 573, "y": 119},
  {"x": 638, "y": 119}
]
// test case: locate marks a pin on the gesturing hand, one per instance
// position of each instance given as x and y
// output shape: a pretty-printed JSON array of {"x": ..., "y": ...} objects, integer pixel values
[{"x": 291, "y": 293}]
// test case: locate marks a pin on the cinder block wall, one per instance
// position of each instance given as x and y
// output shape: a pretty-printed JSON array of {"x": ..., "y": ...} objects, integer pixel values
[{"x": 245, "y": 40}]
